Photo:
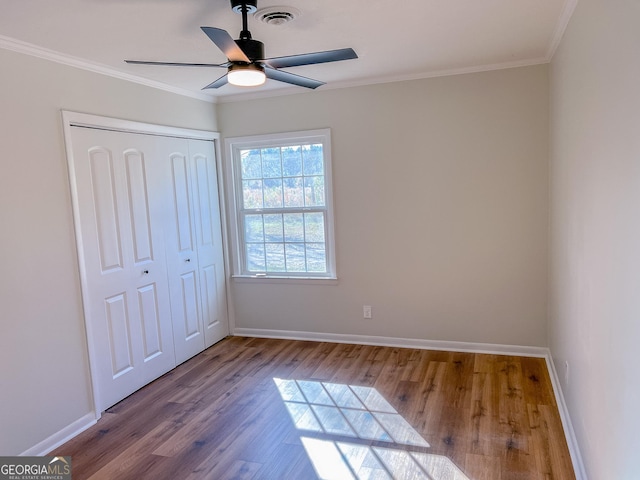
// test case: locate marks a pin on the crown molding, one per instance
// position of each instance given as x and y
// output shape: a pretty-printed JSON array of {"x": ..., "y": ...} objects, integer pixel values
[
  {"x": 19, "y": 46},
  {"x": 561, "y": 27}
]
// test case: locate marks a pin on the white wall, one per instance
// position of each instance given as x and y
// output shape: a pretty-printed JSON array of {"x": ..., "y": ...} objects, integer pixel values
[
  {"x": 440, "y": 188},
  {"x": 595, "y": 232},
  {"x": 45, "y": 383}
]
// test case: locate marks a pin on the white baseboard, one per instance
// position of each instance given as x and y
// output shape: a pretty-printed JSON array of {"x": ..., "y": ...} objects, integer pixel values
[
  {"x": 569, "y": 432},
  {"x": 496, "y": 349},
  {"x": 519, "y": 350},
  {"x": 62, "y": 436}
]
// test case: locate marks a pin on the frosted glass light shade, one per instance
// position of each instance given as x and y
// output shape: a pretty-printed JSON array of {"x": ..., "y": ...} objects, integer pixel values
[{"x": 246, "y": 75}]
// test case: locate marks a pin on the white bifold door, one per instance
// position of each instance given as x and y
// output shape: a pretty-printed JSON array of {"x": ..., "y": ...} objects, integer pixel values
[
  {"x": 150, "y": 249},
  {"x": 195, "y": 260}
]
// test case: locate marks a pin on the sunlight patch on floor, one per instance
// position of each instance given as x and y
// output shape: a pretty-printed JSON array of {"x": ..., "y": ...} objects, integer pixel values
[{"x": 334, "y": 412}]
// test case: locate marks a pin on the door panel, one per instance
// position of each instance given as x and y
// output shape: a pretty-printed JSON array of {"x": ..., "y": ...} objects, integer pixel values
[
  {"x": 120, "y": 347},
  {"x": 203, "y": 189},
  {"x": 209, "y": 241},
  {"x": 182, "y": 256},
  {"x": 151, "y": 328},
  {"x": 139, "y": 205},
  {"x": 105, "y": 208},
  {"x": 190, "y": 305},
  {"x": 125, "y": 286},
  {"x": 211, "y": 304},
  {"x": 182, "y": 202}
]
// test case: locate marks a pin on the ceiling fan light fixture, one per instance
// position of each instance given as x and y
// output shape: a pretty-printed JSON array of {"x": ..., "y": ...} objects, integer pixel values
[{"x": 246, "y": 75}]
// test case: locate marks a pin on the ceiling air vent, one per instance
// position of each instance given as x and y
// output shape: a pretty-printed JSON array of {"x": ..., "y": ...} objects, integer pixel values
[{"x": 277, "y": 15}]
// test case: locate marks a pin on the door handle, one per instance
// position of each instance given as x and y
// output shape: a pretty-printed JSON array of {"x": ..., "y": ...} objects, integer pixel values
[
  {"x": 145, "y": 272},
  {"x": 188, "y": 260}
]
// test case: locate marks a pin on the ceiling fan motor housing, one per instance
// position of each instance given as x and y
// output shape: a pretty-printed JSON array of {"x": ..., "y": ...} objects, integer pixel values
[
  {"x": 250, "y": 6},
  {"x": 253, "y": 49}
]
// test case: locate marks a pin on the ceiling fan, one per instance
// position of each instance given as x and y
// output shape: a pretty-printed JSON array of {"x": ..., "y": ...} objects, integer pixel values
[{"x": 246, "y": 65}]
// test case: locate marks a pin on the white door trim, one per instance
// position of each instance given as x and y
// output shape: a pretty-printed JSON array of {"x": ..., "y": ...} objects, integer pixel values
[{"x": 108, "y": 123}]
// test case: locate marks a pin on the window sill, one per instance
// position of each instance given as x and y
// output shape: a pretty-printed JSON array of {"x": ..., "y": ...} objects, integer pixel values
[{"x": 285, "y": 280}]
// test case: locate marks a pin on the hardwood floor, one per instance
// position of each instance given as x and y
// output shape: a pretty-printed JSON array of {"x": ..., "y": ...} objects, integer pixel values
[{"x": 251, "y": 408}]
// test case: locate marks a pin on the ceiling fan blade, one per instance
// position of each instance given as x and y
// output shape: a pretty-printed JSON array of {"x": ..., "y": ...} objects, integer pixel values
[
  {"x": 177, "y": 64},
  {"x": 287, "y": 77},
  {"x": 226, "y": 43},
  {"x": 218, "y": 83},
  {"x": 311, "y": 58}
]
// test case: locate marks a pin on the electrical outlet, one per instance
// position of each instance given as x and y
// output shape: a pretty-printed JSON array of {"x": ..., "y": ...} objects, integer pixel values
[{"x": 366, "y": 311}]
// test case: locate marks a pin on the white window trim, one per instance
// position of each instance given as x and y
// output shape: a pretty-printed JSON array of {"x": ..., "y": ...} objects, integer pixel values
[{"x": 232, "y": 146}]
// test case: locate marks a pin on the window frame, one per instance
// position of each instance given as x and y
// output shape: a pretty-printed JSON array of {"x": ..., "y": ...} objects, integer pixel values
[{"x": 233, "y": 147}]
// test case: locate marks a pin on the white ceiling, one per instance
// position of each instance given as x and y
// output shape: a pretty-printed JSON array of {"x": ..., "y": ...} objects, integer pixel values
[{"x": 395, "y": 40}]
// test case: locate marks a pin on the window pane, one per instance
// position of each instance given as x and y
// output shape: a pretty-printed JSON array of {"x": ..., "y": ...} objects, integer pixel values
[
  {"x": 312, "y": 159},
  {"x": 252, "y": 193},
  {"x": 273, "y": 228},
  {"x": 314, "y": 191},
  {"x": 316, "y": 257},
  {"x": 293, "y": 192},
  {"x": 250, "y": 160},
  {"x": 282, "y": 192},
  {"x": 272, "y": 193},
  {"x": 293, "y": 227},
  {"x": 314, "y": 227},
  {"x": 256, "y": 261},
  {"x": 253, "y": 228},
  {"x": 295, "y": 254},
  {"x": 292, "y": 161},
  {"x": 275, "y": 257},
  {"x": 271, "y": 166}
]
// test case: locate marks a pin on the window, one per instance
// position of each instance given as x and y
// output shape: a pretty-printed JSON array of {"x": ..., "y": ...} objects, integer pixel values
[{"x": 283, "y": 222}]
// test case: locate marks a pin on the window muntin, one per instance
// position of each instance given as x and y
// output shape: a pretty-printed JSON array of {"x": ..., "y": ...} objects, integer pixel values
[{"x": 283, "y": 203}]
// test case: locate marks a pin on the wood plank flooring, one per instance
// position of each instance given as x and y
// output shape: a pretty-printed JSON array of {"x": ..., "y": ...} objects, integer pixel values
[{"x": 250, "y": 408}]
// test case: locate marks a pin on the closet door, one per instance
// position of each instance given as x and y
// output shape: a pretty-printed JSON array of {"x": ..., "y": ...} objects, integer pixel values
[
  {"x": 125, "y": 290},
  {"x": 209, "y": 241},
  {"x": 182, "y": 254},
  {"x": 194, "y": 248}
]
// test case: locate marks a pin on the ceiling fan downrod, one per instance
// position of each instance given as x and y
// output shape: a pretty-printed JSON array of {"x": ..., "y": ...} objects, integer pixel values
[{"x": 244, "y": 8}]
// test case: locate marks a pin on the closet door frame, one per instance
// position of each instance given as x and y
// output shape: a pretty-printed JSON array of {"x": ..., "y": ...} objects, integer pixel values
[{"x": 76, "y": 119}]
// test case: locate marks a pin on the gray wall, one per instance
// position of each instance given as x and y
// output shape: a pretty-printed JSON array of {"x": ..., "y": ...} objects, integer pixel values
[
  {"x": 594, "y": 316},
  {"x": 440, "y": 190},
  {"x": 45, "y": 380}
]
